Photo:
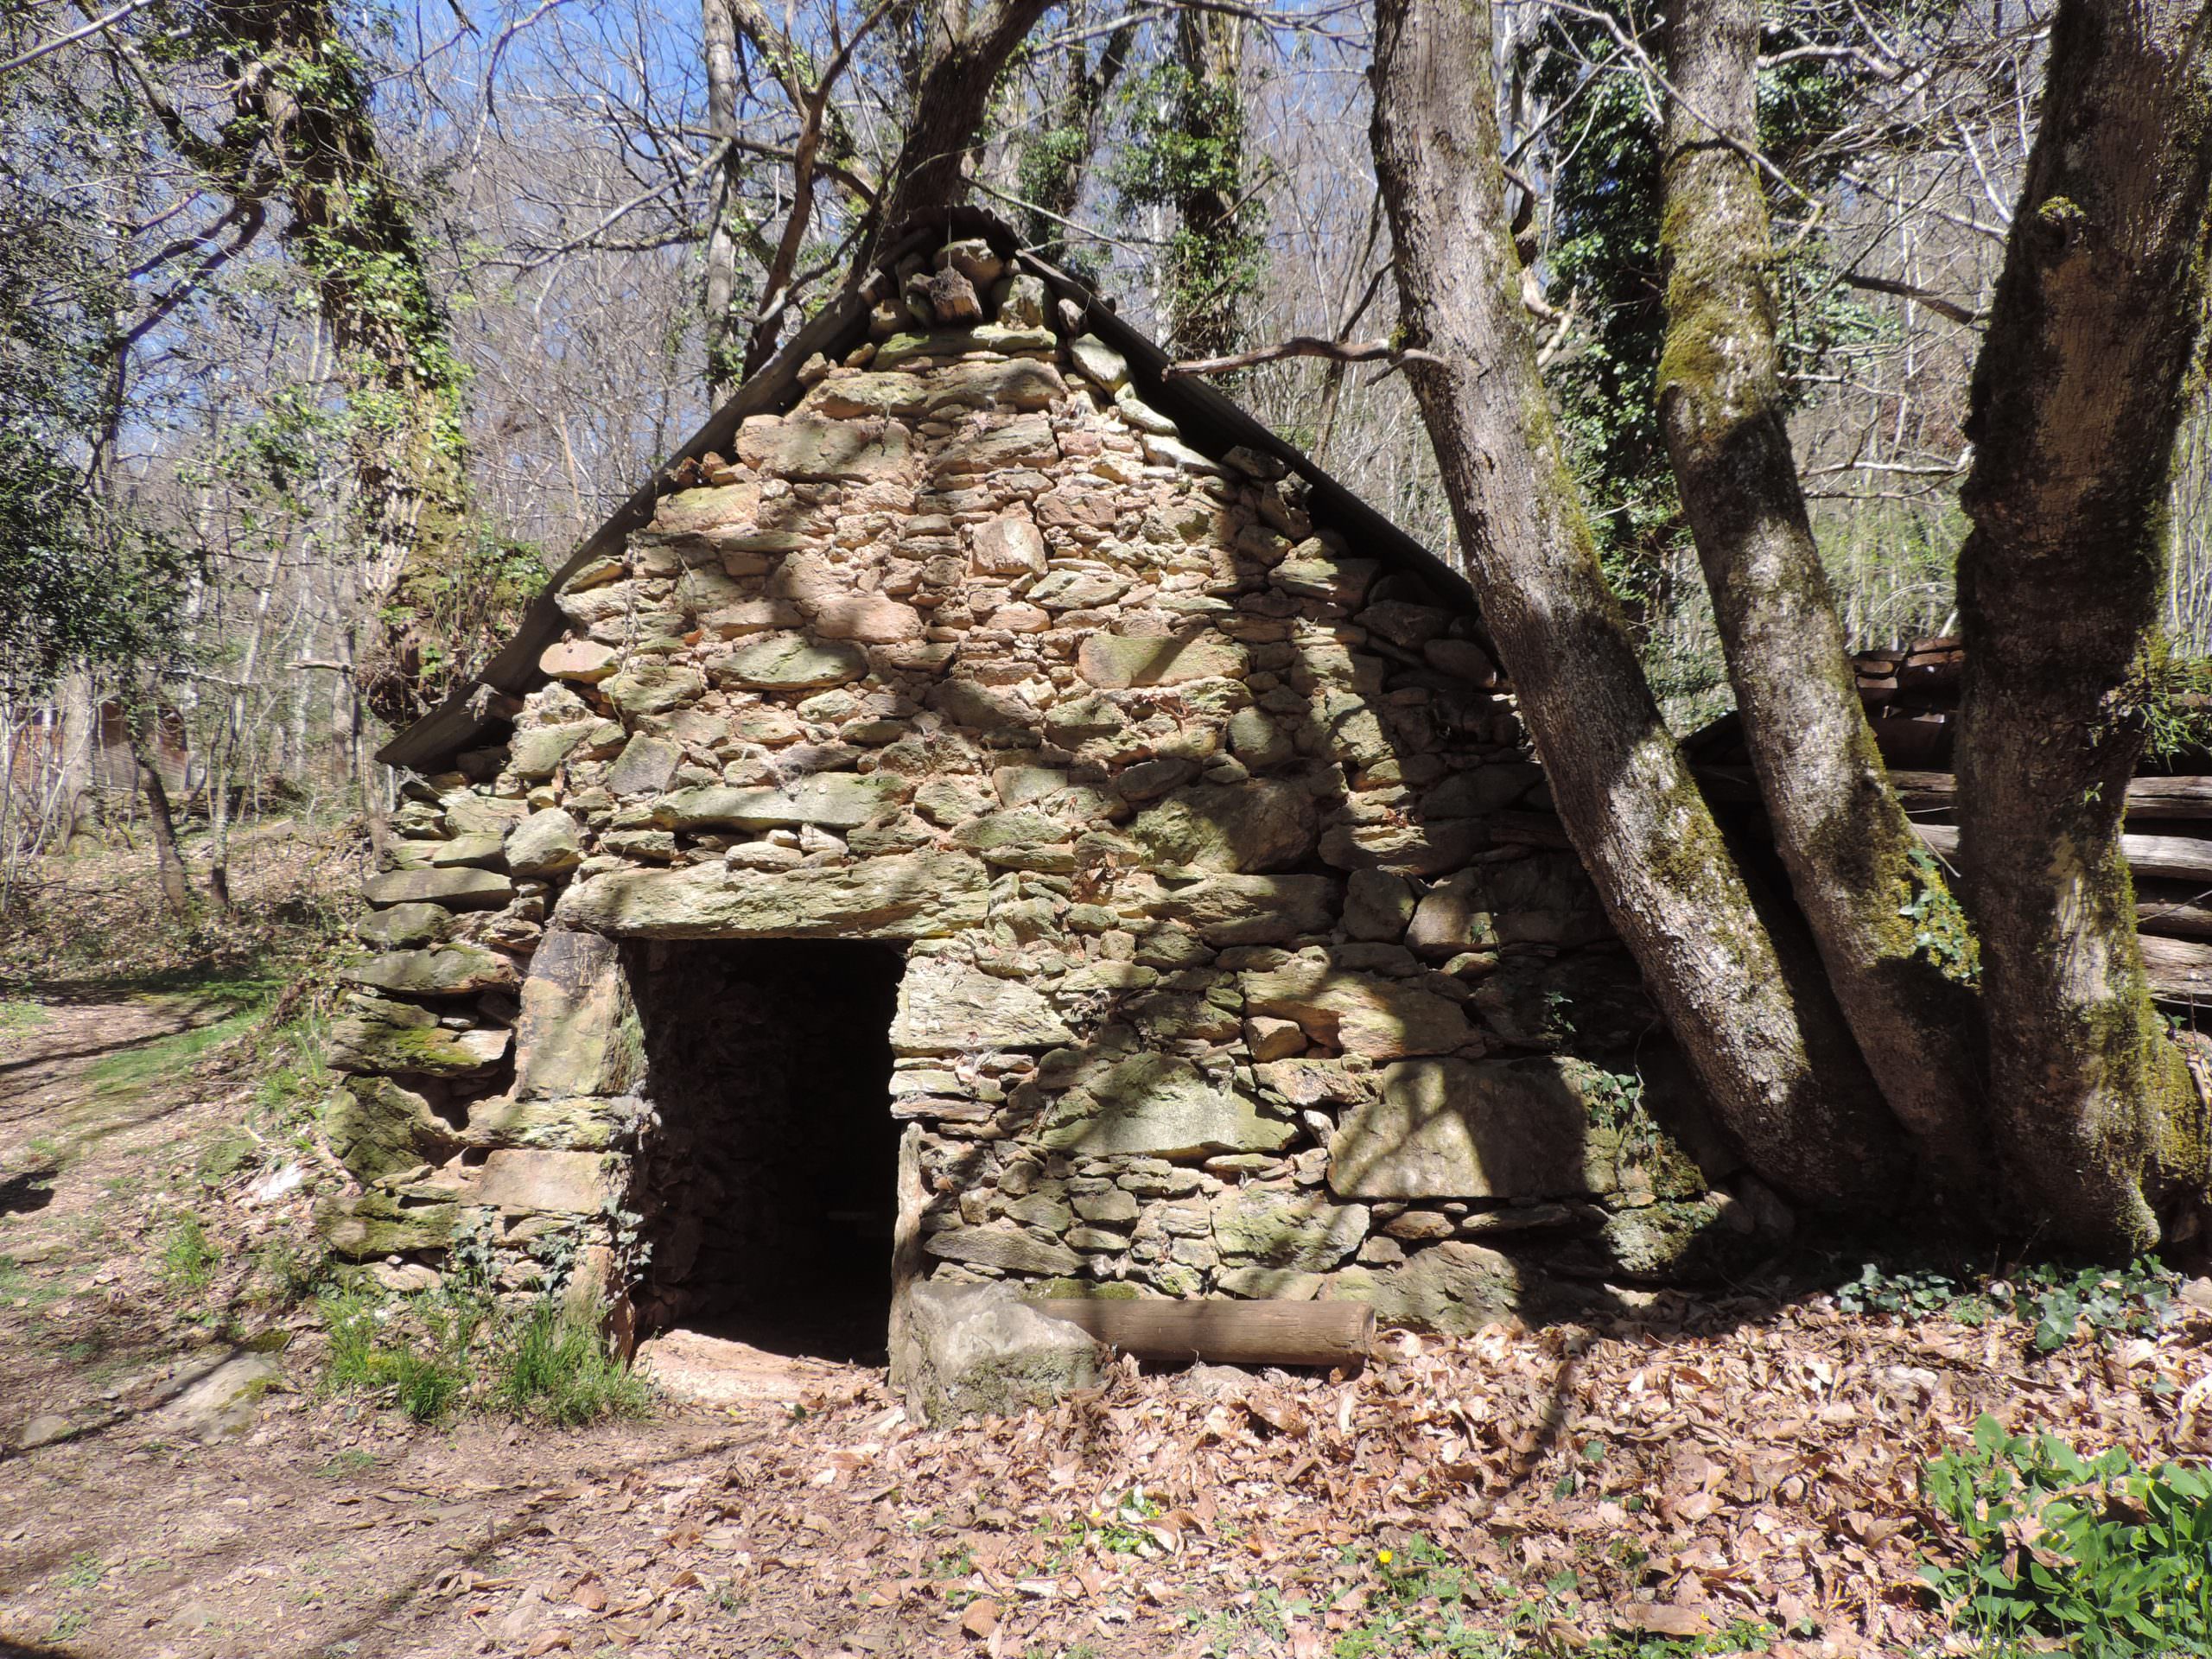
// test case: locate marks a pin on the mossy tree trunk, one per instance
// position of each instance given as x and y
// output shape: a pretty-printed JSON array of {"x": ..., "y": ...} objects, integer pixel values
[
  {"x": 1749, "y": 1007},
  {"x": 2075, "y": 401},
  {"x": 1854, "y": 863}
]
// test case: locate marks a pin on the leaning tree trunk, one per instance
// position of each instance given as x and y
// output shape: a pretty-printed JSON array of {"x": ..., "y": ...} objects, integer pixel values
[
  {"x": 1870, "y": 893},
  {"x": 724, "y": 351},
  {"x": 2077, "y": 398},
  {"x": 961, "y": 60},
  {"x": 1755, "y": 1021}
]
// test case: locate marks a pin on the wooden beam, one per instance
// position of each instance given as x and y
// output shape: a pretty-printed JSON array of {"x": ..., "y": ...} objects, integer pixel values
[
  {"x": 1225, "y": 1333},
  {"x": 2147, "y": 797},
  {"x": 2180, "y": 858}
]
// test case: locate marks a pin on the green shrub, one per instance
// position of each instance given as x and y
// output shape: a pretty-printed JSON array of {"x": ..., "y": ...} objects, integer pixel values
[
  {"x": 557, "y": 1368},
  {"x": 2094, "y": 1554}
]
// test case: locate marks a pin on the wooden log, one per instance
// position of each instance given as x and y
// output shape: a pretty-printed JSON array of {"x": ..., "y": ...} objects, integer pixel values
[
  {"x": 2178, "y": 858},
  {"x": 2180, "y": 910},
  {"x": 2147, "y": 797},
  {"x": 1224, "y": 1332},
  {"x": 2180, "y": 971}
]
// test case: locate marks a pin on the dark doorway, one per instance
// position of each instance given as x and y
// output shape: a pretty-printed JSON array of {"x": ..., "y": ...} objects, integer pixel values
[{"x": 767, "y": 1174}]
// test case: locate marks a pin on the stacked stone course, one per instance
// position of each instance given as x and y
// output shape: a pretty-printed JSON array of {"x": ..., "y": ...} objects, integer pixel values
[{"x": 1243, "y": 954}]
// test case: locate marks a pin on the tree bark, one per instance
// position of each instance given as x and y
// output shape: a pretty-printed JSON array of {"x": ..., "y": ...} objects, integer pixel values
[
  {"x": 2075, "y": 401},
  {"x": 1870, "y": 892},
  {"x": 1205, "y": 284},
  {"x": 961, "y": 60},
  {"x": 718, "y": 48},
  {"x": 168, "y": 863},
  {"x": 1057, "y": 157},
  {"x": 1756, "y": 1024}
]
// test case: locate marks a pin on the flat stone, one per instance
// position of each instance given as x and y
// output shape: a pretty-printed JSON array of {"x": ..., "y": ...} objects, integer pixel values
[
  {"x": 686, "y": 512},
  {"x": 1255, "y": 827},
  {"x": 961, "y": 1351},
  {"x": 1117, "y": 662},
  {"x": 653, "y": 685},
  {"x": 578, "y": 1031},
  {"x": 1232, "y": 909},
  {"x": 1544, "y": 899},
  {"x": 376, "y": 1127},
  {"x": 1018, "y": 383},
  {"x": 949, "y": 1008},
  {"x": 467, "y": 813},
  {"x": 1258, "y": 742},
  {"x": 1476, "y": 1129},
  {"x": 824, "y": 451},
  {"x": 645, "y": 766},
  {"x": 545, "y": 843},
  {"x": 456, "y": 889},
  {"x": 1453, "y": 1288},
  {"x": 374, "y": 1224},
  {"x": 44, "y": 1430},
  {"x": 223, "y": 1402},
  {"x": 577, "y": 1124},
  {"x": 1379, "y": 1019},
  {"x": 1012, "y": 546},
  {"x": 788, "y": 662},
  {"x": 585, "y": 661},
  {"x": 1377, "y": 905},
  {"x": 539, "y": 751},
  {"x": 403, "y": 927},
  {"x": 401, "y": 1039},
  {"x": 1156, "y": 1105},
  {"x": 456, "y": 969},
  {"x": 867, "y": 393},
  {"x": 924, "y": 895},
  {"x": 535, "y": 1182},
  {"x": 484, "y": 850},
  {"x": 1269, "y": 1284},
  {"x": 1098, "y": 362},
  {"x": 834, "y": 800},
  {"x": 1010, "y": 1249},
  {"x": 1273, "y": 1227}
]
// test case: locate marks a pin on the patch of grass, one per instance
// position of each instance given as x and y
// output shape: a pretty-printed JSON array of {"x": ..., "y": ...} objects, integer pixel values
[
  {"x": 353, "y": 1461},
  {"x": 132, "y": 1070},
  {"x": 284, "y": 1275},
  {"x": 2116, "y": 1559},
  {"x": 189, "y": 1257},
  {"x": 227, "y": 1152},
  {"x": 558, "y": 1369},
  {"x": 85, "y": 1570},
  {"x": 418, "y": 1363},
  {"x": 73, "y": 1622},
  {"x": 16, "y": 1017}
]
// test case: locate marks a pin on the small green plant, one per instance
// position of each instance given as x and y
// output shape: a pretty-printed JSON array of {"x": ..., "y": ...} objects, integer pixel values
[
  {"x": 418, "y": 1363},
  {"x": 1940, "y": 929},
  {"x": 556, "y": 1368},
  {"x": 285, "y": 1275},
  {"x": 85, "y": 1570},
  {"x": 188, "y": 1255},
  {"x": 1905, "y": 1292},
  {"x": 2107, "y": 1559},
  {"x": 353, "y": 1461},
  {"x": 2113, "y": 1301}
]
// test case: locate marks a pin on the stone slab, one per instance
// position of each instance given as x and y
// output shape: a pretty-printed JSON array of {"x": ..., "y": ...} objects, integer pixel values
[
  {"x": 1443, "y": 1129},
  {"x": 924, "y": 895}
]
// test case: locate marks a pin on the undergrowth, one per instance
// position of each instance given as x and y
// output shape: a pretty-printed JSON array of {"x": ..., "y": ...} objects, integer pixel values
[
  {"x": 2053, "y": 1301},
  {"x": 436, "y": 1355},
  {"x": 2092, "y": 1555}
]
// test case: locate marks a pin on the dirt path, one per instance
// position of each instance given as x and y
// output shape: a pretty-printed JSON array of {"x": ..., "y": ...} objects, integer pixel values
[{"x": 1744, "y": 1470}]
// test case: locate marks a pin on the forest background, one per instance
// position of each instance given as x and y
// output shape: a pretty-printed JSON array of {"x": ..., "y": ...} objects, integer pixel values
[{"x": 330, "y": 328}]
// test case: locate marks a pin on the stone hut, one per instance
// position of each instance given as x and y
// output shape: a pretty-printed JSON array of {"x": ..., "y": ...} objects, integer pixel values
[{"x": 986, "y": 812}]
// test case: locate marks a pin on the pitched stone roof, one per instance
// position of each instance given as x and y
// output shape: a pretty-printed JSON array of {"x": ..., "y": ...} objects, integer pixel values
[{"x": 1208, "y": 420}]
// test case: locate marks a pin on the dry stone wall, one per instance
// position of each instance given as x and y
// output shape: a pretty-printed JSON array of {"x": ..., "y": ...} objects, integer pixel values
[{"x": 1243, "y": 955}]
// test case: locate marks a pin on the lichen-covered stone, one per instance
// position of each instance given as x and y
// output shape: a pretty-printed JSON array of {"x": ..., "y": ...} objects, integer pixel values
[
  {"x": 1230, "y": 909},
  {"x": 1009, "y": 1249},
  {"x": 824, "y": 450},
  {"x": 649, "y": 686},
  {"x": 961, "y": 1351},
  {"x": 376, "y": 1223},
  {"x": 483, "y": 850},
  {"x": 456, "y": 969},
  {"x": 645, "y": 766},
  {"x": 1377, "y": 905},
  {"x": 545, "y": 844},
  {"x": 539, "y": 751},
  {"x": 1277, "y": 1228},
  {"x": 403, "y": 927},
  {"x": 788, "y": 662},
  {"x": 456, "y": 889},
  {"x": 1452, "y": 1288},
  {"x": 917, "y": 896},
  {"x": 1252, "y": 827},
  {"x": 1360, "y": 1013},
  {"x": 585, "y": 661},
  {"x": 1115, "y": 662},
  {"x": 532, "y": 1181},
  {"x": 1160, "y": 1106},
  {"x": 949, "y": 1008},
  {"x": 590, "y": 1123},
  {"x": 467, "y": 813},
  {"x": 1481, "y": 1130},
  {"x": 400, "y": 1039},
  {"x": 375, "y": 1128},
  {"x": 835, "y": 800},
  {"x": 578, "y": 1031}
]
